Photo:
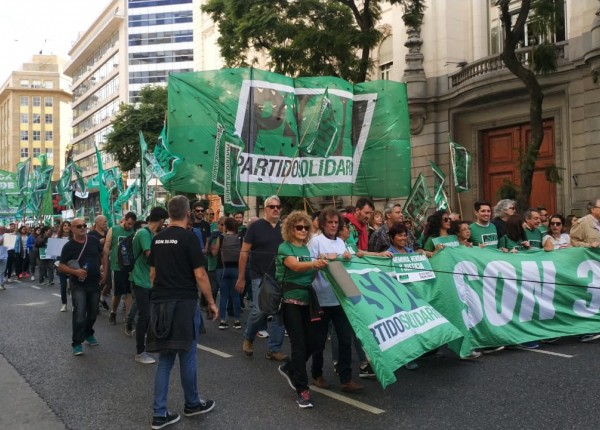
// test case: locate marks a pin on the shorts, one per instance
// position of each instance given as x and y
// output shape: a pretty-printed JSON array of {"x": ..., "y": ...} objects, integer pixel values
[{"x": 121, "y": 283}]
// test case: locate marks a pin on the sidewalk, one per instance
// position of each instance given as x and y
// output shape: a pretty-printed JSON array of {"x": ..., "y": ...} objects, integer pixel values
[{"x": 21, "y": 408}]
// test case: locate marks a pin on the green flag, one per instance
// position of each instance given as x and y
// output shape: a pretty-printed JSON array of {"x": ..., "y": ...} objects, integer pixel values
[
  {"x": 23, "y": 168},
  {"x": 321, "y": 132},
  {"x": 64, "y": 188},
  {"x": 9, "y": 186},
  {"x": 125, "y": 196},
  {"x": 41, "y": 186},
  {"x": 418, "y": 201},
  {"x": 103, "y": 190},
  {"x": 439, "y": 193},
  {"x": 461, "y": 167},
  {"x": 143, "y": 170}
]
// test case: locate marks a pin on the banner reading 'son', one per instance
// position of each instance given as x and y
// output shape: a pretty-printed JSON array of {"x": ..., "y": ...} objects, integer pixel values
[{"x": 248, "y": 132}]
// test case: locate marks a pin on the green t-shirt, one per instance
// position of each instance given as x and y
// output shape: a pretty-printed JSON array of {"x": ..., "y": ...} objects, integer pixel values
[
  {"x": 484, "y": 234},
  {"x": 284, "y": 274},
  {"x": 534, "y": 237},
  {"x": 211, "y": 260},
  {"x": 450, "y": 241},
  {"x": 543, "y": 229},
  {"x": 508, "y": 243},
  {"x": 118, "y": 233},
  {"x": 140, "y": 275}
]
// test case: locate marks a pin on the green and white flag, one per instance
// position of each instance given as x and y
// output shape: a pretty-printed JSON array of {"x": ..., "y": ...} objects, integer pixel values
[
  {"x": 418, "y": 201},
  {"x": 394, "y": 325},
  {"x": 263, "y": 115},
  {"x": 461, "y": 167},
  {"x": 439, "y": 193}
]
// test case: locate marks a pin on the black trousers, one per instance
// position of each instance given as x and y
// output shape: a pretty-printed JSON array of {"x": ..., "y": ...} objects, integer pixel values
[{"x": 142, "y": 298}]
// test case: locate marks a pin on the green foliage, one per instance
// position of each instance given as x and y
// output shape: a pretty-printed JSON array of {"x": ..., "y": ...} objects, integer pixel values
[
  {"x": 289, "y": 204},
  {"x": 147, "y": 116},
  {"x": 414, "y": 11},
  {"x": 303, "y": 37},
  {"x": 545, "y": 59},
  {"x": 507, "y": 190},
  {"x": 553, "y": 174}
]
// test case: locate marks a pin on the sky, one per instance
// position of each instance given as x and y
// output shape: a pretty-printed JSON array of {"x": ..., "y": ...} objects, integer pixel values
[{"x": 28, "y": 26}]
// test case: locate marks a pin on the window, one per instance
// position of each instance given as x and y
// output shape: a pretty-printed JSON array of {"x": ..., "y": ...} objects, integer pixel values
[
  {"x": 48, "y": 101},
  {"x": 37, "y": 101},
  {"x": 36, "y": 84},
  {"x": 24, "y": 152},
  {"x": 386, "y": 58},
  {"x": 37, "y": 135},
  {"x": 385, "y": 70},
  {"x": 48, "y": 118},
  {"x": 48, "y": 84},
  {"x": 24, "y": 118},
  {"x": 37, "y": 152},
  {"x": 24, "y": 101},
  {"x": 37, "y": 118},
  {"x": 24, "y": 83},
  {"x": 24, "y": 136},
  {"x": 48, "y": 136},
  {"x": 49, "y": 153}
]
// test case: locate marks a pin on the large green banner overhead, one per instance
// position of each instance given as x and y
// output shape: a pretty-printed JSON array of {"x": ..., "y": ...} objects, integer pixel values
[
  {"x": 498, "y": 298},
  {"x": 9, "y": 193},
  {"x": 248, "y": 132}
]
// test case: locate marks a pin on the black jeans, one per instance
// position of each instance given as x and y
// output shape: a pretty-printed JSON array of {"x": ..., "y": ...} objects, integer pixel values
[
  {"x": 337, "y": 316},
  {"x": 85, "y": 311},
  {"x": 142, "y": 298},
  {"x": 304, "y": 339}
]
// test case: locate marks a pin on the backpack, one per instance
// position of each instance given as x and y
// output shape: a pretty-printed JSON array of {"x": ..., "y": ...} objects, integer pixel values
[
  {"x": 125, "y": 256},
  {"x": 230, "y": 248}
]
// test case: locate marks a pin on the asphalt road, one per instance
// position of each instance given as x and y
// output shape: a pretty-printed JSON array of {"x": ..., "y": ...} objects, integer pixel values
[{"x": 551, "y": 388}]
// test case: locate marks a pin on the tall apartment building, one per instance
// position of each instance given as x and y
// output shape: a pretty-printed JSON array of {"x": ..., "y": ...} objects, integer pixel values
[{"x": 35, "y": 114}]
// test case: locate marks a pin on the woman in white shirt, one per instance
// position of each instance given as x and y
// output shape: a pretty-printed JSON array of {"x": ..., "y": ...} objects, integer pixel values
[{"x": 556, "y": 238}]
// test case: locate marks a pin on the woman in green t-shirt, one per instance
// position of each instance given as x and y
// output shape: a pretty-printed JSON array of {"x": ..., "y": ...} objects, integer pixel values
[
  {"x": 295, "y": 270},
  {"x": 514, "y": 240},
  {"x": 437, "y": 236}
]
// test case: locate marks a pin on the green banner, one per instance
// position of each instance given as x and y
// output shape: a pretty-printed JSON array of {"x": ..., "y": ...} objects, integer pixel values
[
  {"x": 393, "y": 325},
  {"x": 461, "y": 167},
  {"x": 277, "y": 135},
  {"x": 10, "y": 197},
  {"x": 411, "y": 268},
  {"x": 439, "y": 193},
  {"x": 418, "y": 201},
  {"x": 498, "y": 298}
]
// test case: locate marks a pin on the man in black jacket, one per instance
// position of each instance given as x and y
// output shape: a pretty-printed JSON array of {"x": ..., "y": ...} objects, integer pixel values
[{"x": 176, "y": 274}]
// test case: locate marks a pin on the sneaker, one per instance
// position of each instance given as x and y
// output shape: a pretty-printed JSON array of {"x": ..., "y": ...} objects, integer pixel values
[
  {"x": 104, "y": 304},
  {"x": 320, "y": 382},
  {"x": 78, "y": 350},
  {"x": 42, "y": 282},
  {"x": 366, "y": 371},
  {"x": 161, "y": 422},
  {"x": 247, "y": 348},
  {"x": 51, "y": 283},
  {"x": 223, "y": 326},
  {"x": 589, "y": 337},
  {"x": 63, "y": 308},
  {"x": 237, "y": 325},
  {"x": 352, "y": 387},
  {"x": 474, "y": 355},
  {"x": 129, "y": 331},
  {"x": 530, "y": 345},
  {"x": 284, "y": 370},
  {"x": 493, "y": 349},
  {"x": 144, "y": 358},
  {"x": 277, "y": 356},
  {"x": 91, "y": 341},
  {"x": 202, "y": 408},
  {"x": 112, "y": 319},
  {"x": 304, "y": 400},
  {"x": 2, "y": 287},
  {"x": 33, "y": 278},
  {"x": 411, "y": 365},
  {"x": 262, "y": 334},
  {"x": 336, "y": 369}
]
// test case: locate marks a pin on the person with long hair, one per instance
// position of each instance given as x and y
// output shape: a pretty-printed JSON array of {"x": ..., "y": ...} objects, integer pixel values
[
  {"x": 375, "y": 221},
  {"x": 463, "y": 232},
  {"x": 502, "y": 211},
  {"x": 295, "y": 270},
  {"x": 570, "y": 220},
  {"x": 64, "y": 232},
  {"x": 227, "y": 272},
  {"x": 514, "y": 240},
  {"x": 438, "y": 233},
  {"x": 556, "y": 237}
]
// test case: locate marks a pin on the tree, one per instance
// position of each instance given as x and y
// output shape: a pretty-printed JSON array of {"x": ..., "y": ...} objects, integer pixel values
[
  {"x": 546, "y": 17},
  {"x": 303, "y": 37},
  {"x": 147, "y": 116}
]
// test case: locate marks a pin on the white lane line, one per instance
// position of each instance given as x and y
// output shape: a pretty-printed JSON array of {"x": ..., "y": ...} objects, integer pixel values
[
  {"x": 36, "y": 287},
  {"x": 214, "y": 351},
  {"x": 347, "y": 400},
  {"x": 541, "y": 351},
  {"x": 56, "y": 294}
]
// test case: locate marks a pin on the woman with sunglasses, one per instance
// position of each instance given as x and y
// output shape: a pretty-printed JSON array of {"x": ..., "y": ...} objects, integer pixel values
[
  {"x": 555, "y": 237},
  {"x": 295, "y": 270},
  {"x": 438, "y": 235}
]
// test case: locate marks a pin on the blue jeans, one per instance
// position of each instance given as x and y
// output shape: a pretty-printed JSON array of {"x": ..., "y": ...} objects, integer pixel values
[
  {"x": 85, "y": 310},
  {"x": 187, "y": 373},
  {"x": 226, "y": 278},
  {"x": 257, "y": 320}
]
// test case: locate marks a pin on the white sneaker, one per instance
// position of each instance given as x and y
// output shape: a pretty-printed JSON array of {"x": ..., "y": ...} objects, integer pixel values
[
  {"x": 32, "y": 278},
  {"x": 262, "y": 333},
  {"x": 63, "y": 308},
  {"x": 144, "y": 358}
]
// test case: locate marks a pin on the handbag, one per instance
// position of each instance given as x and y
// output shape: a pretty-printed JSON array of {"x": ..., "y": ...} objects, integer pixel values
[{"x": 269, "y": 295}]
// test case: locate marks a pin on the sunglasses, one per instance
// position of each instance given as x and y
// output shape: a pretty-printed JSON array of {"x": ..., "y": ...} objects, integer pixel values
[
  {"x": 302, "y": 227},
  {"x": 273, "y": 207},
  {"x": 199, "y": 210},
  {"x": 556, "y": 223},
  {"x": 446, "y": 219},
  {"x": 80, "y": 226}
]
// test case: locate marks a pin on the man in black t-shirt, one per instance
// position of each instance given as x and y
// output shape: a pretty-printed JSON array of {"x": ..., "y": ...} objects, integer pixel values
[
  {"x": 261, "y": 241},
  {"x": 81, "y": 258},
  {"x": 198, "y": 223},
  {"x": 176, "y": 274}
]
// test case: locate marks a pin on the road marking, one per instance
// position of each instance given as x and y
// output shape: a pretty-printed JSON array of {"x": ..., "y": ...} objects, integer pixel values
[
  {"x": 56, "y": 294},
  {"x": 542, "y": 351},
  {"x": 32, "y": 304},
  {"x": 36, "y": 287},
  {"x": 348, "y": 400},
  {"x": 214, "y": 351}
]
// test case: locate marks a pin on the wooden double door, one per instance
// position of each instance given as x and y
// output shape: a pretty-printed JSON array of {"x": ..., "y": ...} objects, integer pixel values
[{"x": 502, "y": 151}]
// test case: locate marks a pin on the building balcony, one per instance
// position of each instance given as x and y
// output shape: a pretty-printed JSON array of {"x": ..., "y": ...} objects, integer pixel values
[{"x": 487, "y": 67}]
